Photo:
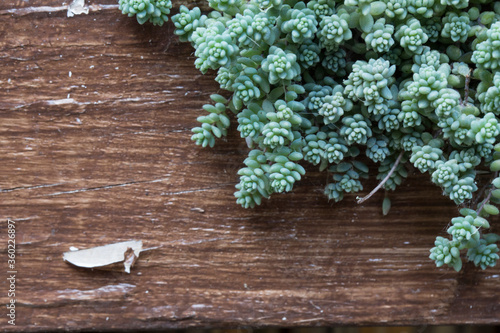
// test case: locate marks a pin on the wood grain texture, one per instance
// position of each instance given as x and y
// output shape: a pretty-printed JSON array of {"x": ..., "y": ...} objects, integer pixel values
[{"x": 95, "y": 119}]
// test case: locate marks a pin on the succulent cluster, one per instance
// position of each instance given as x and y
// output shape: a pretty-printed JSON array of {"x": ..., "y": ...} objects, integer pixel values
[
  {"x": 154, "y": 11},
  {"x": 406, "y": 84}
]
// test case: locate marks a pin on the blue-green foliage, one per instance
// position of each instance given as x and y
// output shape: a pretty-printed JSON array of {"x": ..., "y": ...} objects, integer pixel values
[
  {"x": 214, "y": 124},
  {"x": 281, "y": 65},
  {"x": 485, "y": 253},
  {"x": 456, "y": 26},
  {"x": 356, "y": 129},
  {"x": 285, "y": 170},
  {"x": 446, "y": 252},
  {"x": 411, "y": 36},
  {"x": 487, "y": 53},
  {"x": 187, "y": 21},
  {"x": 424, "y": 158},
  {"x": 346, "y": 176},
  {"x": 372, "y": 83},
  {"x": 380, "y": 37},
  {"x": 299, "y": 24},
  {"x": 254, "y": 182},
  {"x": 154, "y": 11},
  {"x": 333, "y": 30},
  {"x": 407, "y": 84},
  {"x": 324, "y": 149}
]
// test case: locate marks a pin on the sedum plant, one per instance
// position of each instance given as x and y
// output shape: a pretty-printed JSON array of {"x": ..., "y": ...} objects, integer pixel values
[
  {"x": 405, "y": 84},
  {"x": 154, "y": 11}
]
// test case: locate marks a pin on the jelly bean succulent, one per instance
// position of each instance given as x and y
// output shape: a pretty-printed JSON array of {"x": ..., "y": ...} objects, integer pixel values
[
  {"x": 409, "y": 85},
  {"x": 154, "y": 11}
]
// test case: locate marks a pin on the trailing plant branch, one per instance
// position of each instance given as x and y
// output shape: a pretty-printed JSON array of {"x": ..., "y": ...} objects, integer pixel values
[
  {"x": 488, "y": 196},
  {"x": 379, "y": 186}
]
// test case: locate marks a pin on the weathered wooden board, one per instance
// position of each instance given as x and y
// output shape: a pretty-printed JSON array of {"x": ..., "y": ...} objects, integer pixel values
[{"x": 95, "y": 118}]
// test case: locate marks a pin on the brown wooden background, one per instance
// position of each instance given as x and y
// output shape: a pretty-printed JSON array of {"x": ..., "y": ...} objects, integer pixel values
[{"x": 103, "y": 155}]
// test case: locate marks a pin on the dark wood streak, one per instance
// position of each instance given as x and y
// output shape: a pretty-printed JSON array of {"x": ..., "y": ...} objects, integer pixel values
[{"x": 105, "y": 156}]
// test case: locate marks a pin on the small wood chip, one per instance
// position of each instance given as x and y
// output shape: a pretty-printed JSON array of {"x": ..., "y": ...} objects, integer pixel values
[
  {"x": 77, "y": 7},
  {"x": 102, "y": 256}
]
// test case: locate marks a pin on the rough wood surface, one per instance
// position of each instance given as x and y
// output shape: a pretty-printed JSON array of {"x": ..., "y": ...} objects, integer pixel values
[{"x": 95, "y": 118}]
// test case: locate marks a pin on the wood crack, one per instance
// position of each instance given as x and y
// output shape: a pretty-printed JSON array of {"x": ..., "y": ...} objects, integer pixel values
[
  {"x": 105, "y": 187},
  {"x": 64, "y": 297},
  {"x": 197, "y": 190},
  {"x": 29, "y": 187}
]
